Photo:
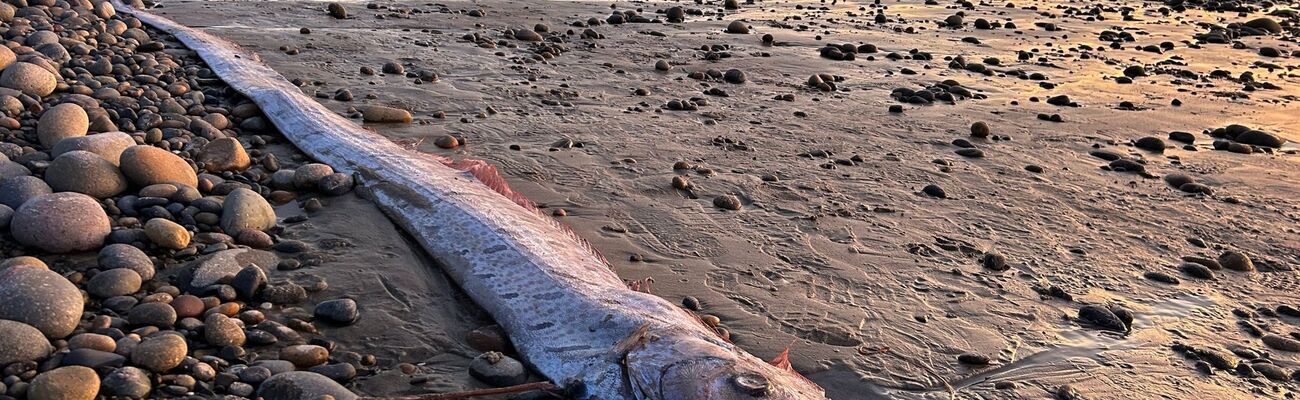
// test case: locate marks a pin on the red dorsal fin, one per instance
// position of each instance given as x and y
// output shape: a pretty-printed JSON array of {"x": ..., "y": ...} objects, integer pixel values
[{"x": 782, "y": 360}]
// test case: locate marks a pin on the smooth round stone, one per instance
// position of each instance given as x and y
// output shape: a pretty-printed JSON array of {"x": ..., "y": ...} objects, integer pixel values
[
  {"x": 307, "y": 176},
  {"x": 305, "y": 355},
  {"x": 16, "y": 191},
  {"x": 245, "y": 209},
  {"x": 335, "y": 184},
  {"x": 160, "y": 315},
  {"x": 65, "y": 383},
  {"x": 93, "y": 341},
  {"x": 1236, "y": 261},
  {"x": 7, "y": 57},
  {"x": 30, "y": 79},
  {"x": 220, "y": 330},
  {"x": 6, "y": 215},
  {"x": 148, "y": 165},
  {"x": 496, "y": 369},
  {"x": 86, "y": 173},
  {"x": 167, "y": 234},
  {"x": 224, "y": 154},
  {"x": 40, "y": 298},
  {"x": 27, "y": 261},
  {"x": 22, "y": 342},
  {"x": 188, "y": 306},
  {"x": 159, "y": 353},
  {"x": 61, "y": 223},
  {"x": 41, "y": 37},
  {"x": 60, "y": 122},
  {"x": 338, "y": 311},
  {"x": 296, "y": 385},
  {"x": 129, "y": 382},
  {"x": 384, "y": 114},
  {"x": 113, "y": 282},
  {"x": 108, "y": 145},
  {"x": 126, "y": 256},
  {"x": 341, "y": 372},
  {"x": 10, "y": 170}
]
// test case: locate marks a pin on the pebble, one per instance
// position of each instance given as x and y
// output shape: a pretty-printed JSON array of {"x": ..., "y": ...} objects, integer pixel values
[
  {"x": 188, "y": 306},
  {"x": 338, "y": 311},
  {"x": 1150, "y": 143},
  {"x": 308, "y": 177},
  {"x": 1280, "y": 342},
  {"x": 40, "y": 298},
  {"x": 93, "y": 341},
  {"x": 126, "y": 256},
  {"x": 160, "y": 315},
  {"x": 287, "y": 293},
  {"x": 337, "y": 11},
  {"x": 245, "y": 209},
  {"x": 384, "y": 114},
  {"x": 220, "y": 330},
  {"x": 60, "y": 122},
  {"x": 128, "y": 382},
  {"x": 994, "y": 261},
  {"x": 1102, "y": 317},
  {"x": 1236, "y": 261},
  {"x": 248, "y": 283},
  {"x": 22, "y": 342},
  {"x": 934, "y": 191},
  {"x": 167, "y": 234},
  {"x": 65, "y": 383},
  {"x": 108, "y": 145},
  {"x": 224, "y": 154},
  {"x": 160, "y": 353},
  {"x": 727, "y": 202},
  {"x": 18, "y": 190},
  {"x": 305, "y": 355},
  {"x": 497, "y": 369},
  {"x": 298, "y": 385},
  {"x": 1161, "y": 277},
  {"x": 979, "y": 130},
  {"x": 489, "y": 338},
  {"x": 974, "y": 359},
  {"x": 113, "y": 282},
  {"x": 1196, "y": 270},
  {"x": 148, "y": 165},
  {"x": 339, "y": 372},
  {"x": 335, "y": 184},
  {"x": 86, "y": 173},
  {"x": 29, "y": 78},
  {"x": 737, "y": 27}
]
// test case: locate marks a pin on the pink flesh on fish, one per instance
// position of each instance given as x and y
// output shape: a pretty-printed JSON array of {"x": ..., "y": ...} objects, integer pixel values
[{"x": 569, "y": 316}]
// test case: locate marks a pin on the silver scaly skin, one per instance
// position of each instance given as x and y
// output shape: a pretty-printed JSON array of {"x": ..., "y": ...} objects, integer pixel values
[{"x": 570, "y": 317}]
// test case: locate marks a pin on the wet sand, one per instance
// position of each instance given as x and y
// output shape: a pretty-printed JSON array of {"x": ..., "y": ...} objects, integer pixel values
[{"x": 875, "y": 287}]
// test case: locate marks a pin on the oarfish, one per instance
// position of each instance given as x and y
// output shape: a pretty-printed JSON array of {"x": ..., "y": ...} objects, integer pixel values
[{"x": 570, "y": 317}]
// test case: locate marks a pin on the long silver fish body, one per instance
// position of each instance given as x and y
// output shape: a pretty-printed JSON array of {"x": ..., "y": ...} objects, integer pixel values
[{"x": 569, "y": 316}]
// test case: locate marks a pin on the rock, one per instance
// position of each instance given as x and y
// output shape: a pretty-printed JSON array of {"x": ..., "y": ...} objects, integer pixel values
[
  {"x": 307, "y": 177},
  {"x": 298, "y": 385},
  {"x": 337, "y": 11},
  {"x": 287, "y": 293},
  {"x": 65, "y": 383},
  {"x": 16, "y": 191},
  {"x": 245, "y": 209},
  {"x": 108, "y": 145},
  {"x": 96, "y": 359},
  {"x": 1184, "y": 137},
  {"x": 61, "y": 223},
  {"x": 160, "y": 353},
  {"x": 7, "y": 57},
  {"x": 10, "y": 170},
  {"x": 305, "y": 355},
  {"x": 128, "y": 382},
  {"x": 340, "y": 372},
  {"x": 148, "y": 165},
  {"x": 489, "y": 338},
  {"x": 93, "y": 341},
  {"x": 126, "y": 256},
  {"x": 1102, "y": 318},
  {"x": 496, "y": 369},
  {"x": 338, "y": 311},
  {"x": 254, "y": 238},
  {"x": 167, "y": 234},
  {"x": 40, "y": 298},
  {"x": 224, "y": 154},
  {"x": 974, "y": 359},
  {"x": 1196, "y": 270},
  {"x": 27, "y": 261},
  {"x": 248, "y": 283},
  {"x": 22, "y": 342},
  {"x": 1150, "y": 143},
  {"x": 527, "y": 35},
  {"x": 1281, "y": 343},
  {"x": 335, "y": 184},
  {"x": 86, "y": 173},
  {"x": 384, "y": 114},
  {"x": 219, "y": 330},
  {"x": 1161, "y": 277},
  {"x": 1236, "y": 261},
  {"x": 1272, "y": 372},
  {"x": 737, "y": 27},
  {"x": 221, "y": 267},
  {"x": 159, "y": 315},
  {"x": 994, "y": 261},
  {"x": 979, "y": 130},
  {"x": 6, "y": 215},
  {"x": 60, "y": 122},
  {"x": 113, "y": 282},
  {"x": 1261, "y": 138},
  {"x": 935, "y": 191},
  {"x": 29, "y": 78},
  {"x": 727, "y": 202},
  {"x": 1264, "y": 23},
  {"x": 734, "y": 76}
]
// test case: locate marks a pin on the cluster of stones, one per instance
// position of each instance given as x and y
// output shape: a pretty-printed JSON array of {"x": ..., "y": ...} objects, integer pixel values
[{"x": 112, "y": 145}]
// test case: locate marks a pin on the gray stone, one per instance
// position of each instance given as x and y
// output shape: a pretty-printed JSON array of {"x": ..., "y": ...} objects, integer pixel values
[
  {"x": 129, "y": 382},
  {"x": 160, "y": 315},
  {"x": 29, "y": 78},
  {"x": 307, "y": 176},
  {"x": 113, "y": 282},
  {"x": 65, "y": 383},
  {"x": 22, "y": 342},
  {"x": 86, "y": 173},
  {"x": 93, "y": 359},
  {"x": 245, "y": 209},
  {"x": 300, "y": 385},
  {"x": 61, "y": 122},
  {"x": 61, "y": 223},
  {"x": 219, "y": 330},
  {"x": 10, "y": 169},
  {"x": 108, "y": 145},
  {"x": 496, "y": 369},
  {"x": 160, "y": 353},
  {"x": 221, "y": 267},
  {"x": 40, "y": 298},
  {"x": 338, "y": 311},
  {"x": 126, "y": 256},
  {"x": 16, "y": 191}
]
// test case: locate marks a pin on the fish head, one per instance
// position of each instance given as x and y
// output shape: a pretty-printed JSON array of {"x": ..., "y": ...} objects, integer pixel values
[{"x": 708, "y": 368}]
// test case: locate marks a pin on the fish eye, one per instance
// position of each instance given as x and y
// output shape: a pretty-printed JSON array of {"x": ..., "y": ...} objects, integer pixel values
[{"x": 752, "y": 384}]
